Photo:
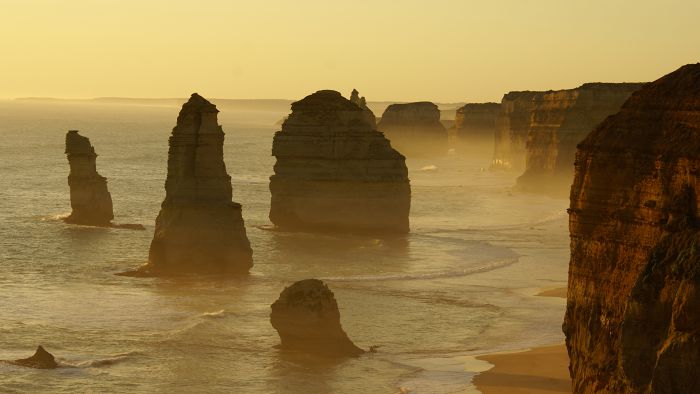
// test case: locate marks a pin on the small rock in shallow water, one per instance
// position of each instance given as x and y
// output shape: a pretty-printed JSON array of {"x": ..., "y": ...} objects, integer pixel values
[
  {"x": 307, "y": 319},
  {"x": 40, "y": 360}
]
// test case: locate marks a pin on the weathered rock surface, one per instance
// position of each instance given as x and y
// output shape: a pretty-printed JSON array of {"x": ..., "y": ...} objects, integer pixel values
[
  {"x": 512, "y": 127},
  {"x": 362, "y": 103},
  {"x": 632, "y": 321},
  {"x": 475, "y": 127},
  {"x": 415, "y": 128},
  {"x": 559, "y": 121},
  {"x": 335, "y": 172},
  {"x": 307, "y": 319},
  {"x": 199, "y": 229},
  {"x": 90, "y": 200},
  {"x": 40, "y": 360}
]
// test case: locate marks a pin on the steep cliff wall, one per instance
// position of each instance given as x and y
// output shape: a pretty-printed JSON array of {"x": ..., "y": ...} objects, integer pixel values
[
  {"x": 89, "y": 197},
  {"x": 632, "y": 321},
  {"x": 559, "y": 121},
  {"x": 475, "y": 127},
  {"x": 512, "y": 127},
  {"x": 335, "y": 172},
  {"x": 199, "y": 229},
  {"x": 414, "y": 128}
]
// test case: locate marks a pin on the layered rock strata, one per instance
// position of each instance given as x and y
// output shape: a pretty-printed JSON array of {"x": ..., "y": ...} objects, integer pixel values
[
  {"x": 415, "y": 128},
  {"x": 512, "y": 127},
  {"x": 90, "y": 200},
  {"x": 475, "y": 127},
  {"x": 199, "y": 229},
  {"x": 307, "y": 319},
  {"x": 335, "y": 172},
  {"x": 632, "y": 320},
  {"x": 559, "y": 121}
]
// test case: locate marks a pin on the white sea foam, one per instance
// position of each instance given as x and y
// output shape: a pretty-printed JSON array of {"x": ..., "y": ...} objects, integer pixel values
[{"x": 428, "y": 275}]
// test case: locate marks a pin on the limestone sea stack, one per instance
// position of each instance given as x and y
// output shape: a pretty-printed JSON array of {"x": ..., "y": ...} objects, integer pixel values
[
  {"x": 512, "y": 127},
  {"x": 90, "y": 200},
  {"x": 415, "y": 128},
  {"x": 475, "y": 127},
  {"x": 335, "y": 172},
  {"x": 307, "y": 319},
  {"x": 199, "y": 229},
  {"x": 559, "y": 121},
  {"x": 632, "y": 320}
]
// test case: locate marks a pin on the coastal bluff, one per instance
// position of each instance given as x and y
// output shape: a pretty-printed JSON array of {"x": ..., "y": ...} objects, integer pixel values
[
  {"x": 475, "y": 127},
  {"x": 90, "y": 200},
  {"x": 559, "y": 121},
  {"x": 335, "y": 172},
  {"x": 512, "y": 128},
  {"x": 199, "y": 228},
  {"x": 632, "y": 320},
  {"x": 415, "y": 128}
]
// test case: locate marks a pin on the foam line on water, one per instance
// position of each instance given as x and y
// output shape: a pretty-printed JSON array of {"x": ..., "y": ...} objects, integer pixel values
[{"x": 428, "y": 275}]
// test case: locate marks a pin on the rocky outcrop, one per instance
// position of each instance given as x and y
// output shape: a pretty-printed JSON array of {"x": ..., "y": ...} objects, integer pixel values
[
  {"x": 415, "y": 128},
  {"x": 559, "y": 121},
  {"x": 362, "y": 103},
  {"x": 512, "y": 127},
  {"x": 40, "y": 360},
  {"x": 307, "y": 319},
  {"x": 199, "y": 229},
  {"x": 90, "y": 200},
  {"x": 632, "y": 320},
  {"x": 335, "y": 172},
  {"x": 475, "y": 127}
]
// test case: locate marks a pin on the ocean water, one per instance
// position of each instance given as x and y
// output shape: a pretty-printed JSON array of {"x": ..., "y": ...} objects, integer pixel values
[{"x": 461, "y": 284}]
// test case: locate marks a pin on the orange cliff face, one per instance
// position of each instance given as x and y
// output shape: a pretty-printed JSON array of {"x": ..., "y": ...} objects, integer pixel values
[
  {"x": 558, "y": 122},
  {"x": 632, "y": 322},
  {"x": 512, "y": 126}
]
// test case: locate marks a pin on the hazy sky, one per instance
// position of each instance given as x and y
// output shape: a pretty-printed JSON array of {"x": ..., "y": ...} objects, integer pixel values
[{"x": 404, "y": 50}]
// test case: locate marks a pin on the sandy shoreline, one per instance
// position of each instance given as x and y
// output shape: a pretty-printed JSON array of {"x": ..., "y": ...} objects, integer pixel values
[
  {"x": 541, "y": 370},
  {"x": 558, "y": 292}
]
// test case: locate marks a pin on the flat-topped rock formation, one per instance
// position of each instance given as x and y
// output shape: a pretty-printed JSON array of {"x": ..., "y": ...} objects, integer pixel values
[
  {"x": 512, "y": 127},
  {"x": 559, "y": 121},
  {"x": 307, "y": 320},
  {"x": 415, "y": 128},
  {"x": 199, "y": 229},
  {"x": 632, "y": 320},
  {"x": 475, "y": 127},
  {"x": 90, "y": 200},
  {"x": 40, "y": 360},
  {"x": 335, "y": 172}
]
